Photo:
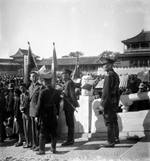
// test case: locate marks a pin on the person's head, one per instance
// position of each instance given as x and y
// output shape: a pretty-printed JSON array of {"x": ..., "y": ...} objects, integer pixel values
[
  {"x": 17, "y": 92},
  {"x": 10, "y": 86},
  {"x": 107, "y": 66},
  {"x": 46, "y": 82},
  {"x": 107, "y": 60},
  {"x": 142, "y": 87},
  {"x": 34, "y": 77},
  {"x": 23, "y": 88},
  {"x": 66, "y": 74}
]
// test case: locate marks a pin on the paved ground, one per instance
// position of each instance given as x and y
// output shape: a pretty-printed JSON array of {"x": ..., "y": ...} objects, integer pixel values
[{"x": 82, "y": 150}]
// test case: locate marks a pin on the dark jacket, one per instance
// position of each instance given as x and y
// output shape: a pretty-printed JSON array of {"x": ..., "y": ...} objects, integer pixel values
[
  {"x": 48, "y": 106},
  {"x": 110, "y": 92},
  {"x": 10, "y": 103},
  {"x": 2, "y": 104},
  {"x": 17, "y": 112},
  {"x": 69, "y": 93}
]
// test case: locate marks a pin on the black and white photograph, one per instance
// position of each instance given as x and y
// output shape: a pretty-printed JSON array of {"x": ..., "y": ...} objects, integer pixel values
[{"x": 74, "y": 80}]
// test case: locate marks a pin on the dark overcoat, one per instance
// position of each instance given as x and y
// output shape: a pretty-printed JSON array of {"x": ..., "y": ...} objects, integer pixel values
[
  {"x": 110, "y": 93},
  {"x": 69, "y": 94},
  {"x": 48, "y": 108},
  {"x": 10, "y": 103}
]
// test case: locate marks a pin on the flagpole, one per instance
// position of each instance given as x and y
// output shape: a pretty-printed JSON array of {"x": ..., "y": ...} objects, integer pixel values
[{"x": 54, "y": 66}]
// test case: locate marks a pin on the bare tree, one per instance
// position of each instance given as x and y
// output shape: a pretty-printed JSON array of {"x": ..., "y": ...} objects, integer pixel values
[{"x": 76, "y": 54}]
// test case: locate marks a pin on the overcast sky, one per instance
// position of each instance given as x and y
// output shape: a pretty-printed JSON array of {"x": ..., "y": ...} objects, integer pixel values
[{"x": 89, "y": 26}]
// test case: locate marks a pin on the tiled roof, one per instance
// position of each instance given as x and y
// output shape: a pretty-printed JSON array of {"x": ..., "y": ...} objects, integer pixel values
[
  {"x": 21, "y": 53},
  {"x": 71, "y": 61},
  {"x": 6, "y": 60},
  {"x": 9, "y": 63},
  {"x": 143, "y": 36},
  {"x": 136, "y": 54}
]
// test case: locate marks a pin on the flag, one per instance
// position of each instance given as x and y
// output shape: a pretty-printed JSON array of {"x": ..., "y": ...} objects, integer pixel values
[
  {"x": 42, "y": 69},
  {"x": 29, "y": 65},
  {"x": 54, "y": 66},
  {"x": 76, "y": 72},
  {"x": 31, "y": 60}
]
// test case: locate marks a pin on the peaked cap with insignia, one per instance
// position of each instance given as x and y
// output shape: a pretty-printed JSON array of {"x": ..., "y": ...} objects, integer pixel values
[{"x": 107, "y": 57}]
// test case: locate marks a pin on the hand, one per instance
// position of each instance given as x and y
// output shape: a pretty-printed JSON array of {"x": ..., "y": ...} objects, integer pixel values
[
  {"x": 62, "y": 96},
  {"x": 15, "y": 119},
  {"x": 22, "y": 109},
  {"x": 36, "y": 119}
]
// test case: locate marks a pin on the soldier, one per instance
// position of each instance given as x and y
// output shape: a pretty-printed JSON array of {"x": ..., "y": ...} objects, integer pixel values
[
  {"x": 69, "y": 105},
  {"x": 33, "y": 94},
  {"x": 47, "y": 112},
  {"x": 110, "y": 100}
]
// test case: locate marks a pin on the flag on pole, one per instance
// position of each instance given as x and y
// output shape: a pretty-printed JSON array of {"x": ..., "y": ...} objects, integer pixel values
[
  {"x": 42, "y": 69},
  {"x": 29, "y": 64},
  {"x": 54, "y": 66}
]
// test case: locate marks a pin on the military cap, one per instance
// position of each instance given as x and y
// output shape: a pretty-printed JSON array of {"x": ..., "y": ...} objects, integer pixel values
[
  {"x": 107, "y": 57},
  {"x": 67, "y": 71},
  {"x": 34, "y": 72},
  {"x": 46, "y": 75}
]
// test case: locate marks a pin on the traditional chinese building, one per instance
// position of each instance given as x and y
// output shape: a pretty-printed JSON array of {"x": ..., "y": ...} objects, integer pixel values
[
  {"x": 136, "y": 51},
  {"x": 8, "y": 66},
  {"x": 14, "y": 65},
  {"x": 136, "y": 54},
  {"x": 87, "y": 64},
  {"x": 18, "y": 57}
]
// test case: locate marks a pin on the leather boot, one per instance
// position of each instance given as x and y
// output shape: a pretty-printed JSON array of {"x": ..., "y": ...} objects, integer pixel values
[
  {"x": 53, "y": 145},
  {"x": 70, "y": 135},
  {"x": 41, "y": 145}
]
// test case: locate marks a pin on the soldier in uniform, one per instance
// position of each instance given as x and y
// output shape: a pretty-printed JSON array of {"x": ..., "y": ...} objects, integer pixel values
[
  {"x": 110, "y": 100},
  {"x": 47, "y": 112},
  {"x": 33, "y": 96},
  {"x": 69, "y": 104}
]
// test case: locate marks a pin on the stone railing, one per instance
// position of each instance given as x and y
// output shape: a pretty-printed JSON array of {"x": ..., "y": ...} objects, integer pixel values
[{"x": 127, "y": 100}]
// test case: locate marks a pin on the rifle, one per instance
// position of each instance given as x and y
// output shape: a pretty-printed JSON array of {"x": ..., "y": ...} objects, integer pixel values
[{"x": 65, "y": 98}]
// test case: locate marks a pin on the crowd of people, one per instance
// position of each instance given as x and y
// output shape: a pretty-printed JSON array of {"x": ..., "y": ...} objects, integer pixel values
[{"x": 30, "y": 114}]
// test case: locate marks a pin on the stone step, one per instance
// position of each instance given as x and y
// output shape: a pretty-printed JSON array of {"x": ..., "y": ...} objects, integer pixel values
[
  {"x": 140, "y": 151},
  {"x": 87, "y": 150},
  {"x": 117, "y": 151}
]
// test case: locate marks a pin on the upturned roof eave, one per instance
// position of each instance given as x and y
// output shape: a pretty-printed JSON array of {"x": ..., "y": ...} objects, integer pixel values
[{"x": 141, "y": 37}]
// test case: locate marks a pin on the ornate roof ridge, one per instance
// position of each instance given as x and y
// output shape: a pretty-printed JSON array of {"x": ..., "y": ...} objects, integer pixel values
[{"x": 143, "y": 36}]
